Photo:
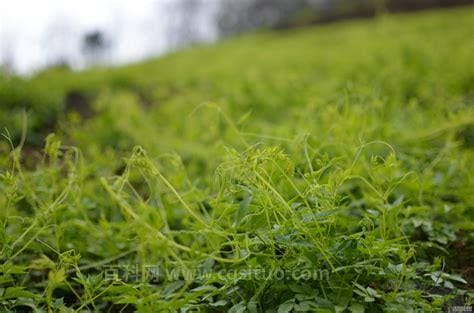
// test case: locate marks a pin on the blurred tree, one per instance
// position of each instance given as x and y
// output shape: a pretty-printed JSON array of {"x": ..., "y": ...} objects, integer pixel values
[
  {"x": 7, "y": 56},
  {"x": 182, "y": 28},
  {"x": 95, "y": 47},
  {"x": 60, "y": 42},
  {"x": 380, "y": 6},
  {"x": 238, "y": 16}
]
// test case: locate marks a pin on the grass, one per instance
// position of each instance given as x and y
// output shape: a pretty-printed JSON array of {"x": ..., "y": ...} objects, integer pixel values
[{"x": 314, "y": 170}]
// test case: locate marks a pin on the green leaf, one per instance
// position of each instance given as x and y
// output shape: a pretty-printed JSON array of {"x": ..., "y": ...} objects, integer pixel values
[
  {"x": 5, "y": 279},
  {"x": 18, "y": 292},
  {"x": 218, "y": 303},
  {"x": 286, "y": 307},
  {"x": 454, "y": 277},
  {"x": 237, "y": 308},
  {"x": 357, "y": 308}
]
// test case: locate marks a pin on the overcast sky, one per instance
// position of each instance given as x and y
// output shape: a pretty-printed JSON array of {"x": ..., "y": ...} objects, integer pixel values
[{"x": 35, "y": 33}]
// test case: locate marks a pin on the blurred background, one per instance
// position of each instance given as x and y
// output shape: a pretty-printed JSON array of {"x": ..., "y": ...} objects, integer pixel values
[{"x": 77, "y": 34}]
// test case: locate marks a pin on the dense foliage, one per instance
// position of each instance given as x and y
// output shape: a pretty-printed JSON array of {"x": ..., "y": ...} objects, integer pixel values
[{"x": 322, "y": 170}]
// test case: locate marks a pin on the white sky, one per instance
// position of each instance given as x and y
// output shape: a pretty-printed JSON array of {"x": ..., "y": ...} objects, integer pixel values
[{"x": 34, "y": 33}]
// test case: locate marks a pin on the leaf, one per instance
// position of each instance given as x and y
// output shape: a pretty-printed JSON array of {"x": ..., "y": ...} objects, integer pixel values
[
  {"x": 448, "y": 284},
  {"x": 204, "y": 288},
  {"x": 56, "y": 277},
  {"x": 18, "y": 292},
  {"x": 42, "y": 263},
  {"x": 237, "y": 308},
  {"x": 369, "y": 299},
  {"x": 52, "y": 146},
  {"x": 122, "y": 289},
  {"x": 373, "y": 292},
  {"x": 395, "y": 268},
  {"x": 5, "y": 279},
  {"x": 252, "y": 306},
  {"x": 285, "y": 307},
  {"x": 169, "y": 289},
  {"x": 218, "y": 303},
  {"x": 454, "y": 277},
  {"x": 13, "y": 269},
  {"x": 127, "y": 299},
  {"x": 326, "y": 213},
  {"x": 304, "y": 306},
  {"x": 357, "y": 308},
  {"x": 243, "y": 207}
]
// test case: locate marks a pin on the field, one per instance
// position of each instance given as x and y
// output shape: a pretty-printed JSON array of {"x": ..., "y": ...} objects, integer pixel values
[{"x": 326, "y": 169}]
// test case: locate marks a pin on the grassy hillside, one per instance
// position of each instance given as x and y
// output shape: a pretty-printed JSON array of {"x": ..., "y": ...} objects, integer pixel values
[{"x": 325, "y": 170}]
